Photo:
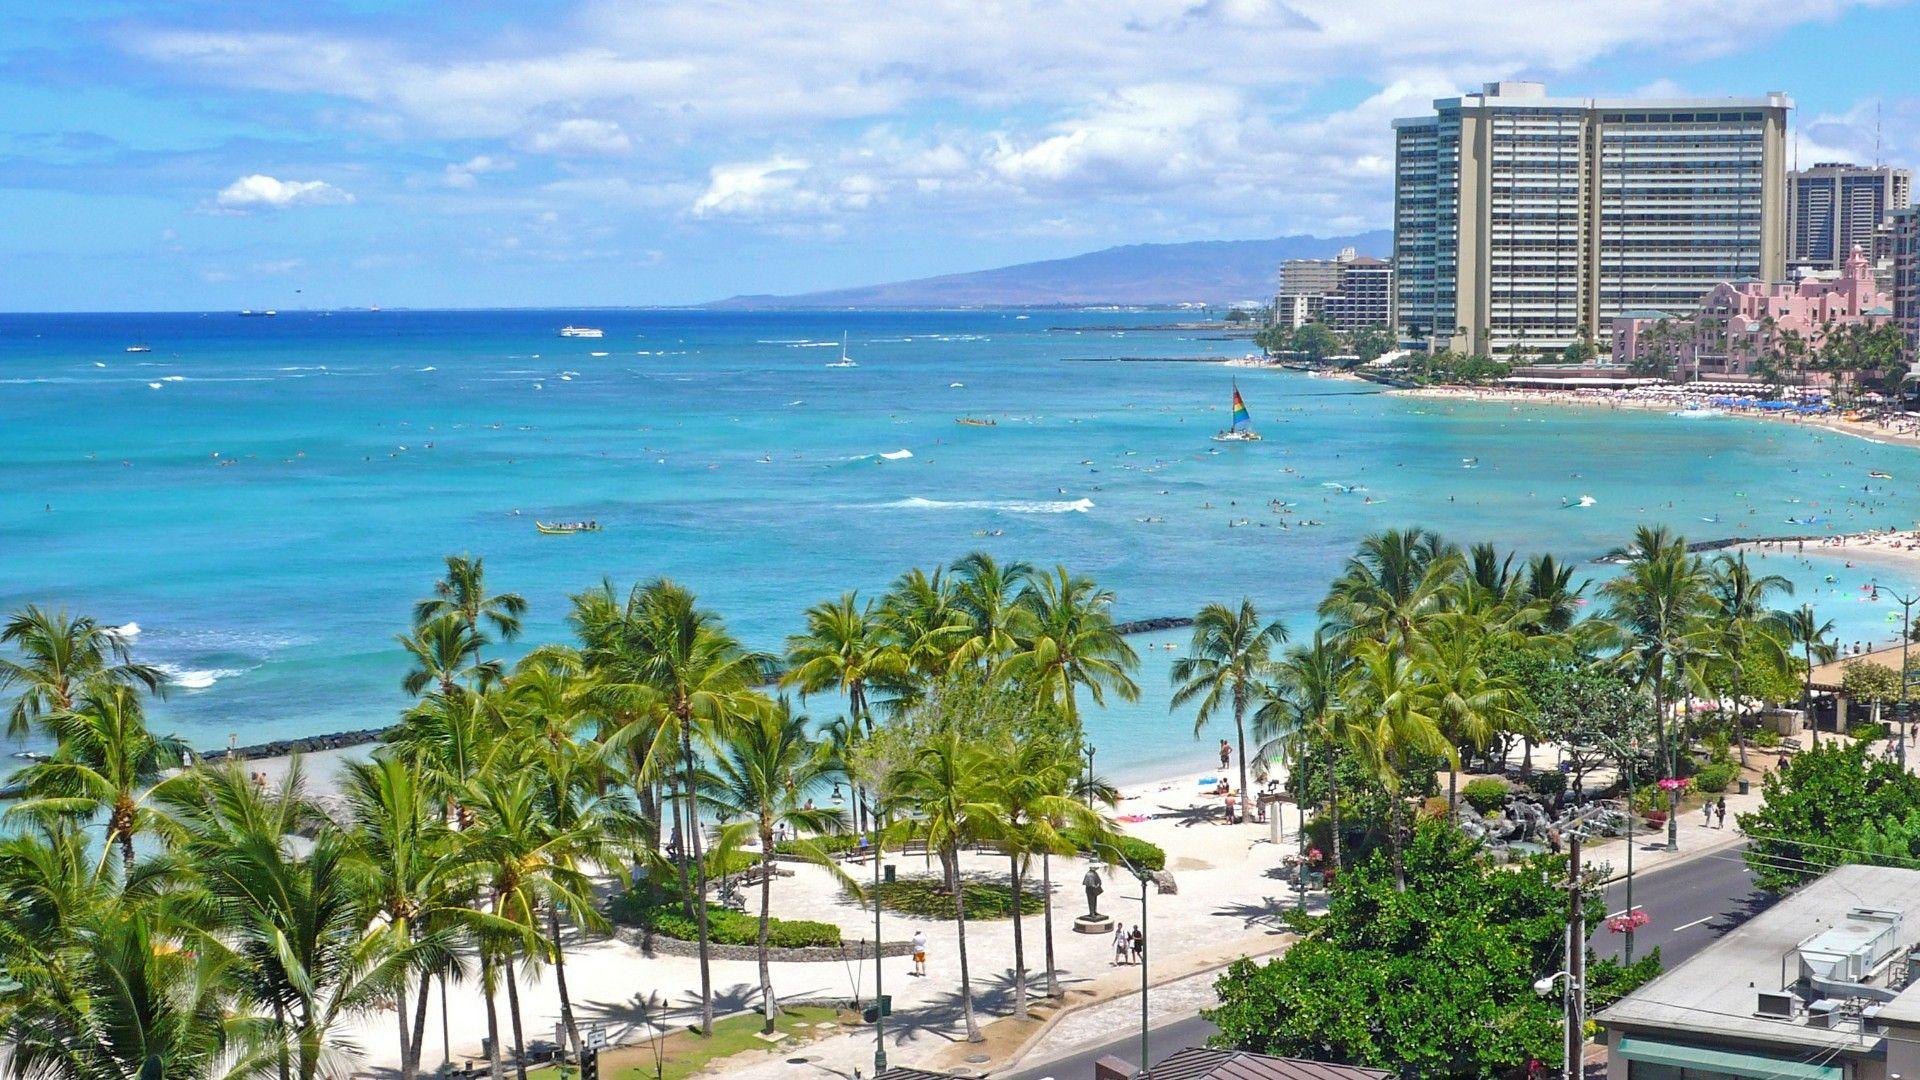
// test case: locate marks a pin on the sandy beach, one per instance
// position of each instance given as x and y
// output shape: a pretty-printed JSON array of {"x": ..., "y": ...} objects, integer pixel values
[{"x": 1899, "y": 430}]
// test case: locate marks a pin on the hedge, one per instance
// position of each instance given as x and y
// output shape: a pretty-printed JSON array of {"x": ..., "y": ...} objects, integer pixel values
[
  {"x": 1871, "y": 731},
  {"x": 928, "y": 898},
  {"x": 1130, "y": 849},
  {"x": 1486, "y": 794},
  {"x": 724, "y": 925},
  {"x": 1717, "y": 777}
]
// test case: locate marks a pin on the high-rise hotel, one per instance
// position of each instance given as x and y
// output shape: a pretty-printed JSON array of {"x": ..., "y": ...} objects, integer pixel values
[{"x": 1525, "y": 219}]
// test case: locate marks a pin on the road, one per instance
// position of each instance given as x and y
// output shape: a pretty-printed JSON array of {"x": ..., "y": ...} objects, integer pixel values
[{"x": 1690, "y": 904}]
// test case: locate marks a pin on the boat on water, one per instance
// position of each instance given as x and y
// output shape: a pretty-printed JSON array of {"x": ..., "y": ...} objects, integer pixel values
[
  {"x": 139, "y": 348},
  {"x": 845, "y": 360},
  {"x": 566, "y": 528},
  {"x": 249, "y": 313},
  {"x": 1241, "y": 427},
  {"x": 1881, "y": 475},
  {"x": 974, "y": 421},
  {"x": 582, "y": 331}
]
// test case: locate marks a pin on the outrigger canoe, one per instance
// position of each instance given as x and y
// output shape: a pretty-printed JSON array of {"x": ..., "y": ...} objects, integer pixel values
[{"x": 563, "y": 530}]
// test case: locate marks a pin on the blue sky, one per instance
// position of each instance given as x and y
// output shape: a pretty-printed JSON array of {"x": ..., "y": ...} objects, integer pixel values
[{"x": 197, "y": 154}]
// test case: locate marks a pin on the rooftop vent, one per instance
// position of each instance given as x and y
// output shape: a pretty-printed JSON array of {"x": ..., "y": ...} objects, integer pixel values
[{"x": 1837, "y": 961}]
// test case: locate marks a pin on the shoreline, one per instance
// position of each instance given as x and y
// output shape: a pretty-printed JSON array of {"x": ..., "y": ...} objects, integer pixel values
[{"x": 1906, "y": 434}]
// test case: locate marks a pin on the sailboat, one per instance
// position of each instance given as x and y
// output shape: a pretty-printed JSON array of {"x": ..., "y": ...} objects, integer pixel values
[
  {"x": 845, "y": 360},
  {"x": 1241, "y": 429}
]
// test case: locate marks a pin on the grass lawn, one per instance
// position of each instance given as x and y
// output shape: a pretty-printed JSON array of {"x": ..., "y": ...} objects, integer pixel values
[{"x": 685, "y": 1053}]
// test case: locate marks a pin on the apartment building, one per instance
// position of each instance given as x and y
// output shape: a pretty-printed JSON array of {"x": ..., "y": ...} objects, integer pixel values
[
  {"x": 1347, "y": 292},
  {"x": 1834, "y": 207},
  {"x": 1524, "y": 220}
]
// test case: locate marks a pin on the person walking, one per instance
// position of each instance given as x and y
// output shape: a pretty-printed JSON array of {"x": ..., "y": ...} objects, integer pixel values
[
  {"x": 1720, "y": 811},
  {"x": 1119, "y": 944},
  {"x": 920, "y": 953},
  {"x": 1226, "y": 754},
  {"x": 1706, "y": 814},
  {"x": 1139, "y": 942}
]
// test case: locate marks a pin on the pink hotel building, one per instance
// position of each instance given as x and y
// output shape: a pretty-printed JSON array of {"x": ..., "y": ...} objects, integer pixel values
[{"x": 1739, "y": 333}]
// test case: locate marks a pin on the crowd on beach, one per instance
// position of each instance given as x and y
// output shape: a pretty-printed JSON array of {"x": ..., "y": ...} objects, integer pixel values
[{"x": 1895, "y": 426}]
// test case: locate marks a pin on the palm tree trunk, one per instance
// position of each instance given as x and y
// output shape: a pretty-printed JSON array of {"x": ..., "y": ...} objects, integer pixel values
[
  {"x": 1240, "y": 731},
  {"x": 1333, "y": 800},
  {"x": 680, "y": 855},
  {"x": 1806, "y": 698},
  {"x": 1046, "y": 898},
  {"x": 420, "y": 1021},
  {"x": 700, "y": 879},
  {"x": 493, "y": 1014},
  {"x": 560, "y": 977},
  {"x": 1397, "y": 843},
  {"x": 766, "y": 901},
  {"x": 960, "y": 923},
  {"x": 513, "y": 1012},
  {"x": 1453, "y": 792},
  {"x": 1020, "y": 1008},
  {"x": 406, "y": 1040},
  {"x": 280, "y": 1025}
]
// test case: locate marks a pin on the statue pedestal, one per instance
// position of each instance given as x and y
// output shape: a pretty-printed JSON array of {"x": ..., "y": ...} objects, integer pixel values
[{"x": 1092, "y": 924}]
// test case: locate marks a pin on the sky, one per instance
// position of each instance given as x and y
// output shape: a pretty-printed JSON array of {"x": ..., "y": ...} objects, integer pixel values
[{"x": 202, "y": 154}]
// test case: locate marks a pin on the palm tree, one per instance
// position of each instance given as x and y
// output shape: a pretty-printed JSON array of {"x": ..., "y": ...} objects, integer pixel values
[
  {"x": 922, "y": 619},
  {"x": 1655, "y": 605},
  {"x": 1393, "y": 584},
  {"x": 415, "y": 873},
  {"x": 1814, "y": 636},
  {"x": 844, "y": 648},
  {"x": 1549, "y": 585},
  {"x": 943, "y": 797},
  {"x": 107, "y": 761},
  {"x": 59, "y": 657},
  {"x": 1027, "y": 782},
  {"x": 1395, "y": 719},
  {"x": 446, "y": 655},
  {"x": 1744, "y": 622},
  {"x": 1473, "y": 703},
  {"x": 1068, "y": 641},
  {"x": 451, "y": 741},
  {"x": 462, "y": 594},
  {"x": 627, "y": 712},
  {"x": 765, "y": 771},
  {"x": 987, "y": 595},
  {"x": 1231, "y": 653},
  {"x": 703, "y": 681},
  {"x": 1306, "y": 700}
]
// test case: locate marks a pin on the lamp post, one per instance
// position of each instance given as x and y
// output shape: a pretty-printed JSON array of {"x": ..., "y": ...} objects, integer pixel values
[
  {"x": 1145, "y": 878},
  {"x": 1543, "y": 987},
  {"x": 1900, "y": 707},
  {"x": 1090, "y": 752},
  {"x": 879, "y": 973}
]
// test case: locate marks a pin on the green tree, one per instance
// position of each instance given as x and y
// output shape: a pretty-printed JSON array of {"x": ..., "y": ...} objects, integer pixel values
[
  {"x": 462, "y": 594},
  {"x": 1815, "y": 809},
  {"x": 1393, "y": 723},
  {"x": 1230, "y": 655},
  {"x": 59, "y": 658},
  {"x": 844, "y": 648},
  {"x": 1814, "y": 637},
  {"x": 1068, "y": 641}
]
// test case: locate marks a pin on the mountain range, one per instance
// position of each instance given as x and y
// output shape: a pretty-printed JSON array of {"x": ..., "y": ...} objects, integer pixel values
[{"x": 1206, "y": 271}]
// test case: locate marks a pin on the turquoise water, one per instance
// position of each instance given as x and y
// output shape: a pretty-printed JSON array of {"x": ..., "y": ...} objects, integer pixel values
[{"x": 268, "y": 513}]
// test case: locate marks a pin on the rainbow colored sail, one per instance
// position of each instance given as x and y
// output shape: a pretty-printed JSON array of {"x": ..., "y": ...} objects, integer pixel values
[{"x": 1240, "y": 413}]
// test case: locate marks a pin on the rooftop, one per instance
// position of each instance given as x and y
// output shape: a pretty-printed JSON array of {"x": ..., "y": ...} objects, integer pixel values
[
  {"x": 1814, "y": 970},
  {"x": 1200, "y": 1063}
]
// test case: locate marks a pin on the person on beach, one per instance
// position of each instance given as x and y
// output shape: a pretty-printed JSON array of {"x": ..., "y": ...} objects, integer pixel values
[
  {"x": 1120, "y": 947},
  {"x": 1139, "y": 942},
  {"x": 1706, "y": 814},
  {"x": 1226, "y": 753},
  {"x": 920, "y": 953}
]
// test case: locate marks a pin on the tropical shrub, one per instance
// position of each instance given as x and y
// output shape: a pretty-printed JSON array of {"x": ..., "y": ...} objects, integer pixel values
[
  {"x": 724, "y": 926},
  {"x": 1871, "y": 731},
  {"x": 929, "y": 898},
  {"x": 1817, "y": 807},
  {"x": 1130, "y": 850},
  {"x": 1486, "y": 794},
  {"x": 1717, "y": 777}
]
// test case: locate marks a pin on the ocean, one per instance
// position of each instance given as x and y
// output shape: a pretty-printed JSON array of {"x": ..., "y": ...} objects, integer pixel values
[{"x": 266, "y": 497}]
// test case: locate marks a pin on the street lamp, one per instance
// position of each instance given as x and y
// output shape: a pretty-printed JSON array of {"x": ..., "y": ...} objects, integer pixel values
[
  {"x": 1544, "y": 987},
  {"x": 1145, "y": 877},
  {"x": 1900, "y": 707},
  {"x": 879, "y": 973},
  {"x": 656, "y": 1037}
]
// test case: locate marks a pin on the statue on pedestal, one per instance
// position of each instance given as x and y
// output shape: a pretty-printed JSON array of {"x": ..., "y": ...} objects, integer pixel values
[{"x": 1094, "y": 889}]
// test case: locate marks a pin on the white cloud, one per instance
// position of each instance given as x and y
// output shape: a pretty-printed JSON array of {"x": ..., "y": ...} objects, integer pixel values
[
  {"x": 580, "y": 136},
  {"x": 259, "y": 190},
  {"x": 465, "y": 174},
  {"x": 756, "y": 188}
]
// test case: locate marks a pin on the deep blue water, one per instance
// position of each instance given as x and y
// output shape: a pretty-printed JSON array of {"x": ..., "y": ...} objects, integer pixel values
[{"x": 266, "y": 497}]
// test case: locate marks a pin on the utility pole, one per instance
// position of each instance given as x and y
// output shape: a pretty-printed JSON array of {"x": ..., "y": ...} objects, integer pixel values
[
  {"x": 1576, "y": 961},
  {"x": 879, "y": 973},
  {"x": 1900, "y": 707}
]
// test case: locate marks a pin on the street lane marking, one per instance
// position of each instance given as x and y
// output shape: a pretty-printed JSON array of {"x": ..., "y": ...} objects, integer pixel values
[{"x": 1695, "y": 923}]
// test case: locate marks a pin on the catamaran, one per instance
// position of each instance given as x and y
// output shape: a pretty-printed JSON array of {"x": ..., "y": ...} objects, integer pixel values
[
  {"x": 1241, "y": 429},
  {"x": 582, "y": 331},
  {"x": 845, "y": 360}
]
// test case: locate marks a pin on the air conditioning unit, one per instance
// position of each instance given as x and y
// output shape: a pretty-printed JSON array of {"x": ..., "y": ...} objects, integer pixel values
[
  {"x": 1778, "y": 1005},
  {"x": 1823, "y": 1013}
]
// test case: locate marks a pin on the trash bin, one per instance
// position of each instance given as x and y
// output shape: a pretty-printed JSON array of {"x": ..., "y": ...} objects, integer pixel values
[
  {"x": 887, "y": 872},
  {"x": 1745, "y": 787}
]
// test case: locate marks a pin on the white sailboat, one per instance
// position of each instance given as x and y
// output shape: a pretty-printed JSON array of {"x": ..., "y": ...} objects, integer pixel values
[
  {"x": 1240, "y": 429},
  {"x": 845, "y": 360}
]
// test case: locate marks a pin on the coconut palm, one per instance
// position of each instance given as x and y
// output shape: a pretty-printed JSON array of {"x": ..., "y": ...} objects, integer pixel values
[
  {"x": 845, "y": 648},
  {"x": 922, "y": 619},
  {"x": 1306, "y": 700},
  {"x": 1393, "y": 584},
  {"x": 1549, "y": 585},
  {"x": 107, "y": 762},
  {"x": 1393, "y": 720},
  {"x": 943, "y": 797},
  {"x": 463, "y": 594},
  {"x": 446, "y": 657},
  {"x": 1068, "y": 641},
  {"x": 1743, "y": 623},
  {"x": 987, "y": 595},
  {"x": 1028, "y": 780},
  {"x": 59, "y": 656},
  {"x": 1814, "y": 637},
  {"x": 766, "y": 770},
  {"x": 627, "y": 713},
  {"x": 1473, "y": 703},
  {"x": 702, "y": 680},
  {"x": 1229, "y": 657},
  {"x": 1655, "y": 605},
  {"x": 450, "y": 741}
]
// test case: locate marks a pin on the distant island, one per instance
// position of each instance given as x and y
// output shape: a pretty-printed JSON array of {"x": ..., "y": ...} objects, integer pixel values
[{"x": 1203, "y": 272}]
